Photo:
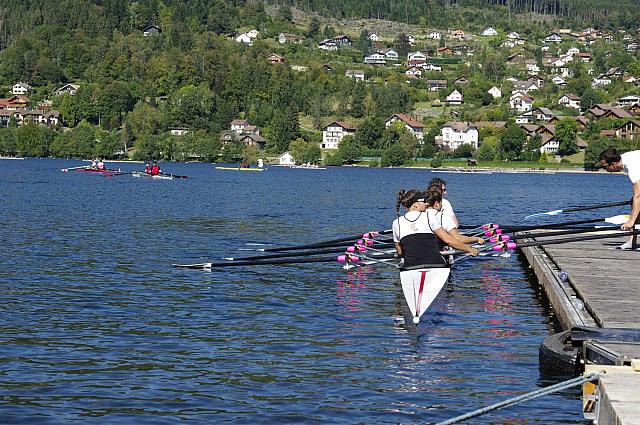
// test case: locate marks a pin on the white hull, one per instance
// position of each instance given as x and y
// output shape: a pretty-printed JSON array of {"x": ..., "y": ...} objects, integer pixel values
[{"x": 421, "y": 287}]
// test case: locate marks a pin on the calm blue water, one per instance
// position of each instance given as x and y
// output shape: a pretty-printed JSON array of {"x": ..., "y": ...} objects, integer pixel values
[{"x": 96, "y": 326}]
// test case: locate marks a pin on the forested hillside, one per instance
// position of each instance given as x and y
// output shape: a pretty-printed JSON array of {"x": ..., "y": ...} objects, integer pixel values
[{"x": 194, "y": 75}]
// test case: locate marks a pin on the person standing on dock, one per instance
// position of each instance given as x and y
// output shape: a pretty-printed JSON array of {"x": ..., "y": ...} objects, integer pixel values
[
  {"x": 447, "y": 216},
  {"x": 612, "y": 161}
]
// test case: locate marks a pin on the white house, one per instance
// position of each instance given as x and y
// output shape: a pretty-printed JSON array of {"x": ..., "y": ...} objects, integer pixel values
[
  {"x": 252, "y": 33},
  {"x": 559, "y": 81},
  {"x": 413, "y": 71},
  {"x": 455, "y": 134},
  {"x": 570, "y": 100},
  {"x": 244, "y": 38},
  {"x": 524, "y": 118},
  {"x": 549, "y": 144},
  {"x": 553, "y": 37},
  {"x": 286, "y": 160},
  {"x": 334, "y": 133},
  {"x": 521, "y": 102},
  {"x": 434, "y": 35},
  {"x": 238, "y": 126},
  {"x": 389, "y": 54},
  {"x": 375, "y": 59},
  {"x": 495, "y": 92},
  {"x": 513, "y": 35},
  {"x": 150, "y": 30},
  {"x": 455, "y": 98},
  {"x": 357, "y": 74},
  {"x": 601, "y": 81},
  {"x": 532, "y": 66},
  {"x": 373, "y": 37},
  {"x": 328, "y": 45},
  {"x": 573, "y": 51},
  {"x": 416, "y": 58},
  {"x": 69, "y": 89},
  {"x": 489, "y": 32},
  {"x": 628, "y": 100},
  {"x": 21, "y": 88},
  {"x": 178, "y": 131},
  {"x": 411, "y": 123},
  {"x": 430, "y": 67}
]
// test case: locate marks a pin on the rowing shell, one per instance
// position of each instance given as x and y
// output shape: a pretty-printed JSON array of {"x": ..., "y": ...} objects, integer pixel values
[
  {"x": 239, "y": 169},
  {"x": 421, "y": 287},
  {"x": 150, "y": 176}
]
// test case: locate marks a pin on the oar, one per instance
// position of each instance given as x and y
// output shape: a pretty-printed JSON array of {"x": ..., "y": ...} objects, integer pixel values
[
  {"x": 287, "y": 254},
  {"x": 612, "y": 234},
  {"x": 516, "y": 228},
  {"x": 257, "y": 263},
  {"x": 575, "y": 209},
  {"x": 325, "y": 244},
  {"x": 175, "y": 176},
  {"x": 66, "y": 170}
]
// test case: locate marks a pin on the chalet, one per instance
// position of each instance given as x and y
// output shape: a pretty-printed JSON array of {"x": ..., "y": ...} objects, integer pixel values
[
  {"x": 14, "y": 102},
  {"x": 513, "y": 35},
  {"x": 490, "y": 124},
  {"x": 431, "y": 67},
  {"x": 273, "y": 59},
  {"x": 69, "y": 89},
  {"x": 444, "y": 51},
  {"x": 514, "y": 59},
  {"x": 455, "y": 98},
  {"x": 531, "y": 67},
  {"x": 542, "y": 114},
  {"x": 435, "y": 85},
  {"x": 553, "y": 37},
  {"x": 524, "y": 86},
  {"x": 389, "y": 54},
  {"x": 151, "y": 30},
  {"x": 342, "y": 40},
  {"x": 328, "y": 45},
  {"x": 549, "y": 144},
  {"x": 244, "y": 38},
  {"x": 286, "y": 160},
  {"x": 495, "y": 92},
  {"x": 558, "y": 81},
  {"x": 284, "y": 37},
  {"x": 178, "y": 131},
  {"x": 632, "y": 47},
  {"x": 489, "y": 31},
  {"x": 530, "y": 129},
  {"x": 333, "y": 133},
  {"x": 521, "y": 102},
  {"x": 227, "y": 137},
  {"x": 21, "y": 88},
  {"x": 629, "y": 79},
  {"x": 582, "y": 121},
  {"x": 375, "y": 59},
  {"x": 459, "y": 34},
  {"x": 601, "y": 81},
  {"x": 628, "y": 100},
  {"x": 461, "y": 81},
  {"x": 615, "y": 72},
  {"x": 525, "y": 118},
  {"x": 571, "y": 100},
  {"x": 253, "y": 140},
  {"x": 573, "y": 51},
  {"x": 584, "y": 57},
  {"x": 416, "y": 58},
  {"x": 23, "y": 116},
  {"x": 411, "y": 123},
  {"x": 356, "y": 74},
  {"x": 629, "y": 131},
  {"x": 434, "y": 35},
  {"x": 413, "y": 71},
  {"x": 634, "y": 109},
  {"x": 373, "y": 37},
  {"x": 455, "y": 134},
  {"x": 546, "y": 130}
]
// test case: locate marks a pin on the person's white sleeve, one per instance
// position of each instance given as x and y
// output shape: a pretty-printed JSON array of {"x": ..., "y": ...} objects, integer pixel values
[
  {"x": 396, "y": 231},
  {"x": 631, "y": 161}
]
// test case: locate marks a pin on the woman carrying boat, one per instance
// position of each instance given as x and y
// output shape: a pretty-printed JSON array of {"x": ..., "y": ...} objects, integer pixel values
[
  {"x": 417, "y": 232},
  {"x": 448, "y": 218}
]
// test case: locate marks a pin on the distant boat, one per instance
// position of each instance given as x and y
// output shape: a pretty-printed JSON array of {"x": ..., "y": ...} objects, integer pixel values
[
  {"x": 308, "y": 167},
  {"x": 11, "y": 157},
  {"x": 240, "y": 168},
  {"x": 462, "y": 171}
]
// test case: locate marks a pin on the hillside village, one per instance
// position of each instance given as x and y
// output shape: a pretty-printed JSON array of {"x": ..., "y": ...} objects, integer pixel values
[{"x": 489, "y": 95}]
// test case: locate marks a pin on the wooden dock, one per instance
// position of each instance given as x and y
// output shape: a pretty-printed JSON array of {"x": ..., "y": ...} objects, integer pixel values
[{"x": 602, "y": 293}]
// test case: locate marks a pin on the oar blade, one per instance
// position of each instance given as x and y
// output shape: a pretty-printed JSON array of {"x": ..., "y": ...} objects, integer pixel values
[
  {"x": 542, "y": 214},
  {"x": 618, "y": 219}
]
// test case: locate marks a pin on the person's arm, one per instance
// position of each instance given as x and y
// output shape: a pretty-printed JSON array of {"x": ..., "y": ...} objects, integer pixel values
[
  {"x": 398, "y": 249},
  {"x": 453, "y": 242},
  {"x": 635, "y": 207},
  {"x": 464, "y": 239}
]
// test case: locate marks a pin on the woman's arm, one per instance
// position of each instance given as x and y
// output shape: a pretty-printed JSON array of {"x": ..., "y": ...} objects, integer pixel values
[
  {"x": 453, "y": 242},
  {"x": 465, "y": 239}
]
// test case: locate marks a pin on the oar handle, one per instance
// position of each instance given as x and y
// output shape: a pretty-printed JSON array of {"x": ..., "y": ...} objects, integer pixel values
[{"x": 513, "y": 245}]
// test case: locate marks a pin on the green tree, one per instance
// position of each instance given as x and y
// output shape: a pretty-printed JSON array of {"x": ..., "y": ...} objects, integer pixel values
[
  {"x": 284, "y": 128},
  {"x": 394, "y": 156},
  {"x": 33, "y": 140},
  {"x": 487, "y": 150},
  {"x": 297, "y": 149},
  {"x": 531, "y": 150},
  {"x": 589, "y": 98},
  {"x": 566, "y": 131},
  {"x": 465, "y": 150},
  {"x": 358, "y": 95},
  {"x": 369, "y": 132},
  {"x": 511, "y": 143},
  {"x": 349, "y": 151}
]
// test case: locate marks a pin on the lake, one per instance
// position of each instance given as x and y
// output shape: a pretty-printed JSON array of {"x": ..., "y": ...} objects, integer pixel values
[{"x": 98, "y": 327}]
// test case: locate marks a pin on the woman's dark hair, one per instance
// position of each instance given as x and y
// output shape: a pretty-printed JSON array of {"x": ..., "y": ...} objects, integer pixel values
[
  {"x": 433, "y": 195},
  {"x": 609, "y": 156},
  {"x": 437, "y": 181},
  {"x": 406, "y": 198}
]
